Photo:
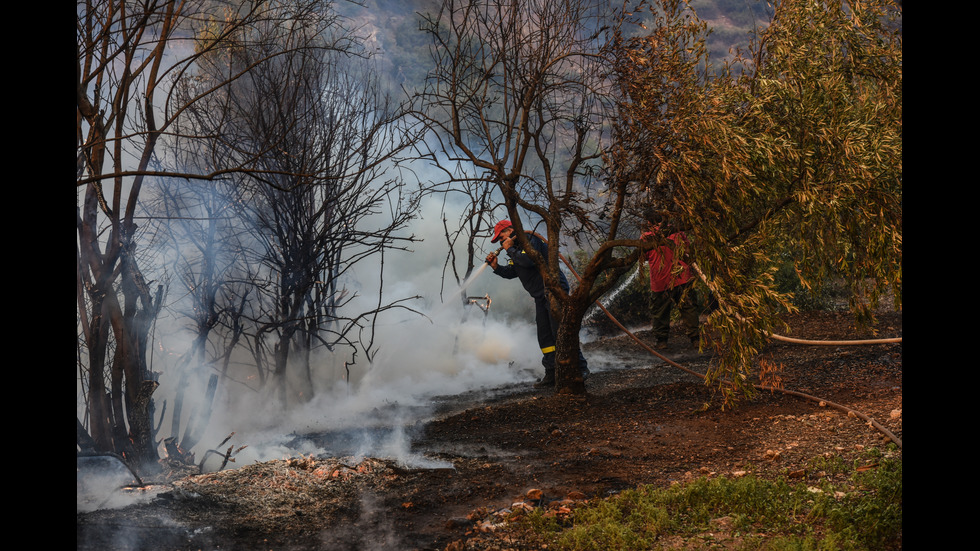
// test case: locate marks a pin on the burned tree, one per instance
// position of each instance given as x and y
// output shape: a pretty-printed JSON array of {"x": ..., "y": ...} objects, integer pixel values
[
  {"x": 320, "y": 196},
  {"x": 202, "y": 254},
  {"x": 130, "y": 57},
  {"x": 122, "y": 71}
]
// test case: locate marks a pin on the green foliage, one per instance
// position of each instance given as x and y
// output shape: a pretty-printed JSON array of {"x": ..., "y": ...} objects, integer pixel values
[
  {"x": 826, "y": 85},
  {"x": 830, "y": 464},
  {"x": 631, "y": 521},
  {"x": 873, "y": 514},
  {"x": 792, "y": 154},
  {"x": 732, "y": 22},
  {"x": 865, "y": 513},
  {"x": 830, "y": 294}
]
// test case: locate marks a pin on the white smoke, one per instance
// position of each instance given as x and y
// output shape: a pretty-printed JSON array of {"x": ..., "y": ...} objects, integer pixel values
[{"x": 444, "y": 349}]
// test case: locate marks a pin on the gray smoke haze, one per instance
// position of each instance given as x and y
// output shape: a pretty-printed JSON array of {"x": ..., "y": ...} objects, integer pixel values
[
  {"x": 448, "y": 350},
  {"x": 445, "y": 351}
]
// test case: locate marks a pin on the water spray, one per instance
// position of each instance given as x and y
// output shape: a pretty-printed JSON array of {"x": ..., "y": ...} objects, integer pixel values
[{"x": 471, "y": 278}]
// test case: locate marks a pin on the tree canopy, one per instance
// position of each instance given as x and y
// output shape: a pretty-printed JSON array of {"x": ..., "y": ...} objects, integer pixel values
[{"x": 792, "y": 151}]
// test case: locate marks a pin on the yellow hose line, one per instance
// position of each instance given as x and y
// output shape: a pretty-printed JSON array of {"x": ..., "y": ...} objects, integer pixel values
[{"x": 834, "y": 343}]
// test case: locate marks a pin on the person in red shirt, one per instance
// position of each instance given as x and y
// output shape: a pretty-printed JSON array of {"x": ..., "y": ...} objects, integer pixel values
[{"x": 671, "y": 281}]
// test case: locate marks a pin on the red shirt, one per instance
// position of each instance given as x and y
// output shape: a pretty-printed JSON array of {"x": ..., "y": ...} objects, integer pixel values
[{"x": 665, "y": 272}]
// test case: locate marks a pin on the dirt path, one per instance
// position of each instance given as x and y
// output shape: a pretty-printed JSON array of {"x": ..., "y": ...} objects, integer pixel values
[{"x": 642, "y": 422}]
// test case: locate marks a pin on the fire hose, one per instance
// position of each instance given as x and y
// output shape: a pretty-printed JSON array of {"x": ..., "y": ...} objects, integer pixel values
[
  {"x": 774, "y": 336},
  {"x": 495, "y": 254},
  {"x": 833, "y": 343},
  {"x": 820, "y": 401}
]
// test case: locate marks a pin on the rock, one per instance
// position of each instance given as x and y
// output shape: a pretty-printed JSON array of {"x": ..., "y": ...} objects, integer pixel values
[
  {"x": 457, "y": 522},
  {"x": 561, "y": 504},
  {"x": 487, "y": 526},
  {"x": 521, "y": 506}
]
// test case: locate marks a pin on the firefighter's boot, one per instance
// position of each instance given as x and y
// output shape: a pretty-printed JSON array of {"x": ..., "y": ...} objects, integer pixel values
[{"x": 547, "y": 380}]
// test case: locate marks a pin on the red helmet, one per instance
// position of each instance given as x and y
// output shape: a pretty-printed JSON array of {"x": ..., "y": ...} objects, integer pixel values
[{"x": 501, "y": 226}]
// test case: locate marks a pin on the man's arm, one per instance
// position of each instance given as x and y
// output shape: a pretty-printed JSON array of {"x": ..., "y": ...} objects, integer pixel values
[{"x": 505, "y": 271}]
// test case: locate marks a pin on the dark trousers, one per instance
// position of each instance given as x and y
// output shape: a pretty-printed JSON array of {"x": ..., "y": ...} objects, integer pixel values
[
  {"x": 548, "y": 334},
  {"x": 683, "y": 298}
]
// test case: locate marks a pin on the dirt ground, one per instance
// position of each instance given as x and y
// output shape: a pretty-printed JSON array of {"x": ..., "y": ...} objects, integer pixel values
[{"x": 642, "y": 422}]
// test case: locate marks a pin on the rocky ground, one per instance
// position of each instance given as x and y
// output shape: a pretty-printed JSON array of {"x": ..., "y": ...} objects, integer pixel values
[{"x": 642, "y": 422}]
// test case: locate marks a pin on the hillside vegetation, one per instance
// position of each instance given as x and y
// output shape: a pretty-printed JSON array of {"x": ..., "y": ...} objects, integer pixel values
[{"x": 392, "y": 31}]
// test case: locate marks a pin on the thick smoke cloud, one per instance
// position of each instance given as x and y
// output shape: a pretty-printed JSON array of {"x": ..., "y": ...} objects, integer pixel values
[{"x": 447, "y": 350}]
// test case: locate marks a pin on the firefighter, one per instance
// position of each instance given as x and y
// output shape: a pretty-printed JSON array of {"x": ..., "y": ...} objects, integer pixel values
[
  {"x": 521, "y": 266},
  {"x": 672, "y": 285}
]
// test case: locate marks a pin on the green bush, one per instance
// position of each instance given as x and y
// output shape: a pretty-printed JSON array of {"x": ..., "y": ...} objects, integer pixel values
[
  {"x": 827, "y": 295},
  {"x": 863, "y": 514}
]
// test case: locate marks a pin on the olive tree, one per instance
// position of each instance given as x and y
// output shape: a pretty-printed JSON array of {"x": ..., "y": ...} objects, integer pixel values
[{"x": 792, "y": 151}]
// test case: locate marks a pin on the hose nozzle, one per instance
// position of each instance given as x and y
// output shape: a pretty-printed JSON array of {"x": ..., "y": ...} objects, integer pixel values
[{"x": 495, "y": 254}]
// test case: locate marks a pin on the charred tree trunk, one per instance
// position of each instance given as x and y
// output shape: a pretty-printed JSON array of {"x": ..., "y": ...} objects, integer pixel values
[
  {"x": 83, "y": 440},
  {"x": 141, "y": 427},
  {"x": 281, "y": 354},
  {"x": 99, "y": 407},
  {"x": 132, "y": 385}
]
